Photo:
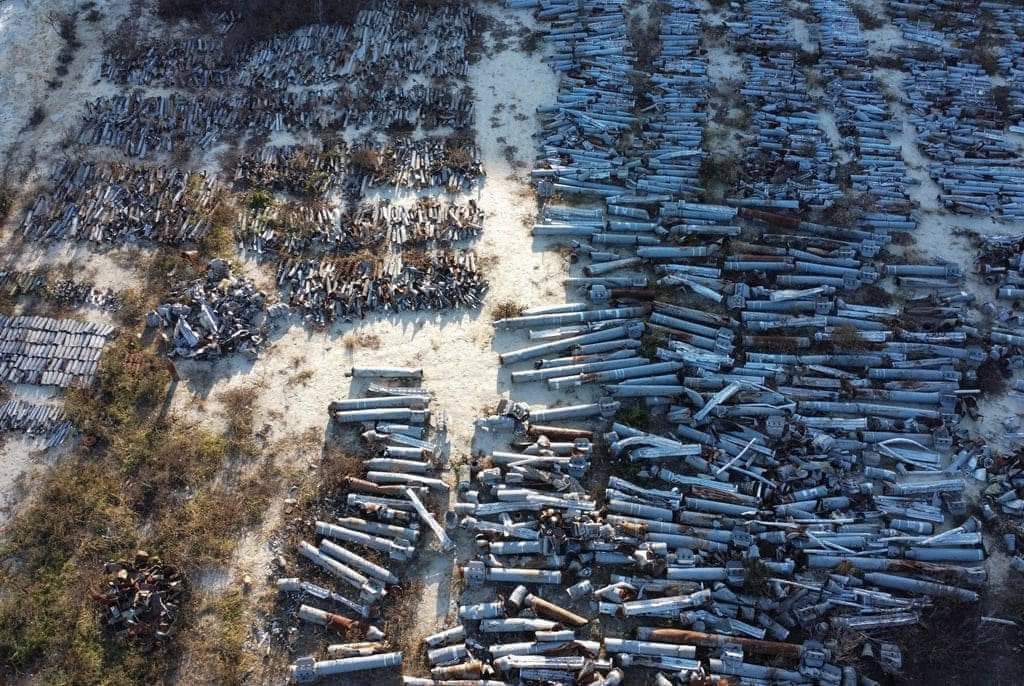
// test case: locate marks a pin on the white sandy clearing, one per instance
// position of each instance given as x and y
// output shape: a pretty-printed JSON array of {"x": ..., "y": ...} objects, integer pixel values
[
  {"x": 29, "y": 46},
  {"x": 21, "y": 456}
]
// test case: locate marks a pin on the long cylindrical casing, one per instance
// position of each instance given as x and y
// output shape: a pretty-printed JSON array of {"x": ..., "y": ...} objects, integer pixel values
[
  {"x": 308, "y": 670},
  {"x": 357, "y": 561},
  {"x": 552, "y": 611},
  {"x": 699, "y": 638},
  {"x": 407, "y": 401}
]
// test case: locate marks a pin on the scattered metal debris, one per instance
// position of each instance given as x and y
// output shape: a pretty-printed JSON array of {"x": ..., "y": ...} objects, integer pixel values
[
  {"x": 215, "y": 315},
  {"x": 62, "y": 292},
  {"x": 141, "y": 598},
  {"x": 371, "y": 535}
]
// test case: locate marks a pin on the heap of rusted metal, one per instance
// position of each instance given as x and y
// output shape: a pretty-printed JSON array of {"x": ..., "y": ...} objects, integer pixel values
[{"x": 140, "y": 599}]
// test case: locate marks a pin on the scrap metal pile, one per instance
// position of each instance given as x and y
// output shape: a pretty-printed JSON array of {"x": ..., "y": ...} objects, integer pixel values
[
  {"x": 293, "y": 229},
  {"x": 1001, "y": 263},
  {"x": 114, "y": 203},
  {"x": 50, "y": 352},
  {"x": 805, "y": 485},
  {"x": 63, "y": 292},
  {"x": 960, "y": 114},
  {"x": 771, "y": 468},
  {"x": 48, "y": 422},
  {"x": 213, "y": 316},
  {"x": 141, "y": 126},
  {"x": 959, "y": 127},
  {"x": 791, "y": 162},
  {"x": 369, "y": 532},
  {"x": 387, "y": 38},
  {"x": 348, "y": 288},
  {"x": 141, "y": 599},
  {"x": 595, "y": 103},
  {"x": 319, "y": 79},
  {"x": 862, "y": 115}
]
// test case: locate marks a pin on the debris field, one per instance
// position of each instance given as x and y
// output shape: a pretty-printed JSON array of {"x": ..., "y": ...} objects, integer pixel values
[{"x": 766, "y": 430}]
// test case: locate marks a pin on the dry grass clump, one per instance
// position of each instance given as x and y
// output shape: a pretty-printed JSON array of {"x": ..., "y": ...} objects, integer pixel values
[
  {"x": 6, "y": 201},
  {"x": 719, "y": 174},
  {"x": 219, "y": 240},
  {"x": 868, "y": 18},
  {"x": 460, "y": 156},
  {"x": 869, "y": 295},
  {"x": 986, "y": 57},
  {"x": 991, "y": 378},
  {"x": 361, "y": 340},
  {"x": 134, "y": 306},
  {"x": 365, "y": 160},
  {"x": 775, "y": 344},
  {"x": 636, "y": 416},
  {"x": 507, "y": 309},
  {"x": 239, "y": 408},
  {"x": 337, "y": 465},
  {"x": 848, "y": 209},
  {"x": 301, "y": 378},
  {"x": 1000, "y": 98}
]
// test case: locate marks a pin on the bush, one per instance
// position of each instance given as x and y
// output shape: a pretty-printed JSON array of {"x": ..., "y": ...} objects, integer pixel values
[
  {"x": 635, "y": 416},
  {"x": 6, "y": 202},
  {"x": 134, "y": 306},
  {"x": 260, "y": 200},
  {"x": 868, "y": 18},
  {"x": 131, "y": 383},
  {"x": 37, "y": 116},
  {"x": 719, "y": 174},
  {"x": 365, "y": 160}
]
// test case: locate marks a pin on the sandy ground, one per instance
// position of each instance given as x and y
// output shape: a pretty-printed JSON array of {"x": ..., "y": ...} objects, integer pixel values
[{"x": 28, "y": 39}]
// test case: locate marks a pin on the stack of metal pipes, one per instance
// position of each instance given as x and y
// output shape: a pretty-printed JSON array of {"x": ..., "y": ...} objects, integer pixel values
[
  {"x": 960, "y": 128},
  {"x": 791, "y": 163},
  {"x": 48, "y": 423},
  {"x": 596, "y": 99},
  {"x": 379, "y": 519},
  {"x": 678, "y": 106},
  {"x": 114, "y": 203},
  {"x": 861, "y": 112},
  {"x": 865, "y": 485},
  {"x": 325, "y": 290},
  {"x": 51, "y": 352}
]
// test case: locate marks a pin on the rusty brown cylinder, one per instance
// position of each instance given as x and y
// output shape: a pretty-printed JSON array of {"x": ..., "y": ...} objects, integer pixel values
[
  {"x": 770, "y": 218},
  {"x": 343, "y": 624},
  {"x": 700, "y": 638},
  {"x": 370, "y": 488},
  {"x": 464, "y": 670},
  {"x": 558, "y": 432},
  {"x": 552, "y": 611}
]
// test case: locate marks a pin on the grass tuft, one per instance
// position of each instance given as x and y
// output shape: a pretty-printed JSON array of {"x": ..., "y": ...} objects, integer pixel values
[{"x": 507, "y": 309}]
